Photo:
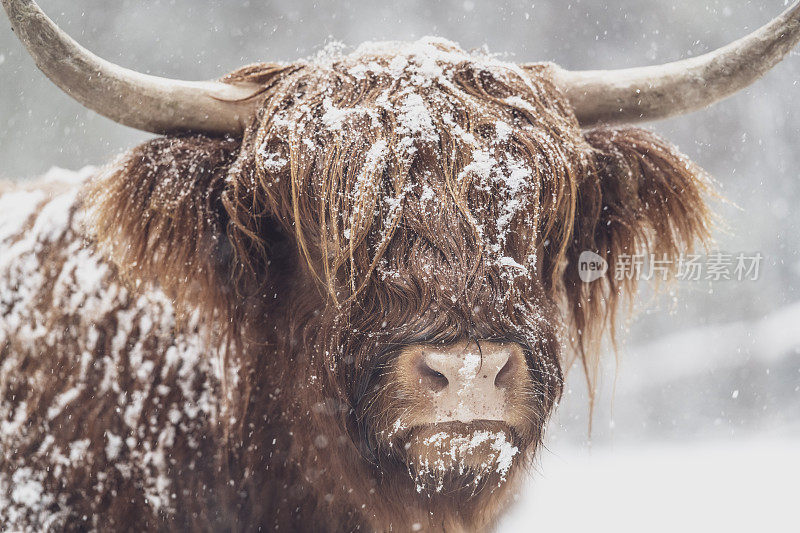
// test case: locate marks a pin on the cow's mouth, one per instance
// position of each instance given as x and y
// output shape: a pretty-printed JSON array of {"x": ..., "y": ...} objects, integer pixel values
[{"x": 454, "y": 456}]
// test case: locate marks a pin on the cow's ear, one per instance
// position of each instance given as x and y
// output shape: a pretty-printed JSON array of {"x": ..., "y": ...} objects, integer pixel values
[
  {"x": 642, "y": 197},
  {"x": 157, "y": 213}
]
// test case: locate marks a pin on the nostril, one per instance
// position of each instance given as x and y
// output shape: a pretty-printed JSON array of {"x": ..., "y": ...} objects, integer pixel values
[
  {"x": 431, "y": 379},
  {"x": 504, "y": 376}
]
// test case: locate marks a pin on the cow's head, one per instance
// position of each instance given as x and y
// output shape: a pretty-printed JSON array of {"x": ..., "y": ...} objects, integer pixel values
[{"x": 418, "y": 213}]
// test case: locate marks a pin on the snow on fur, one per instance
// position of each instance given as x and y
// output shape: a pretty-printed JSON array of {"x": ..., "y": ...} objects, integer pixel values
[{"x": 71, "y": 332}]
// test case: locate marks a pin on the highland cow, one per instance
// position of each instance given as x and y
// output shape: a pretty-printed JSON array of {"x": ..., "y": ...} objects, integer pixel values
[{"x": 340, "y": 294}]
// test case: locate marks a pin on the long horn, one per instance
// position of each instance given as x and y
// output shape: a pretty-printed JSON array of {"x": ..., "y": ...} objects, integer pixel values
[
  {"x": 661, "y": 91},
  {"x": 141, "y": 101}
]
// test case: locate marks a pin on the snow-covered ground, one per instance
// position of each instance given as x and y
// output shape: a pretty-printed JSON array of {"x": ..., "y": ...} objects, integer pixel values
[
  {"x": 700, "y": 431},
  {"x": 738, "y": 485}
]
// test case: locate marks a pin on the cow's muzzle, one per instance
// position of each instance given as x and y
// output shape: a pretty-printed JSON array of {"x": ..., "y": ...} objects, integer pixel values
[{"x": 463, "y": 382}]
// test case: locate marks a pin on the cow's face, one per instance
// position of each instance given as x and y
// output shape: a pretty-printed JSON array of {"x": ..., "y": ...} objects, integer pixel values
[{"x": 430, "y": 194}]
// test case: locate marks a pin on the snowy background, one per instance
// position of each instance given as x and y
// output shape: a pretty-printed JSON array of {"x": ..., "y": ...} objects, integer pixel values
[{"x": 698, "y": 423}]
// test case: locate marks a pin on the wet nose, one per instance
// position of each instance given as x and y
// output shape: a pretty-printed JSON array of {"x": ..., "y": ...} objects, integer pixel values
[{"x": 468, "y": 381}]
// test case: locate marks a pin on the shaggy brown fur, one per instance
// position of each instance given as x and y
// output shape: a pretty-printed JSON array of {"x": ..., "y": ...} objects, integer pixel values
[{"x": 397, "y": 196}]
